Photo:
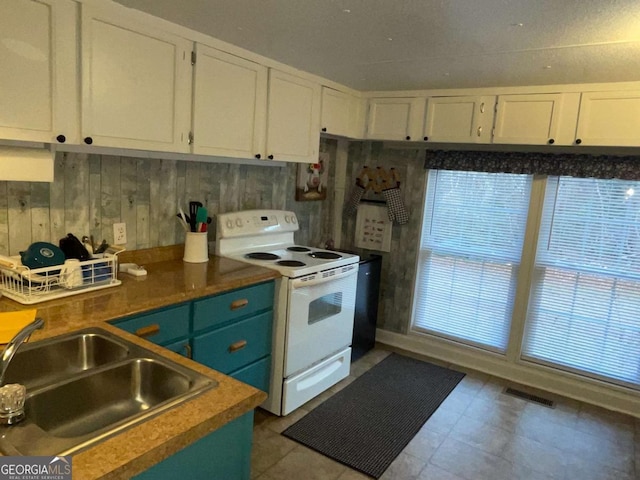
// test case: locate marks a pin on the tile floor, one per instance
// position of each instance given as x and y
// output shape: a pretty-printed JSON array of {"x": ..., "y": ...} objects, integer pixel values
[{"x": 478, "y": 433}]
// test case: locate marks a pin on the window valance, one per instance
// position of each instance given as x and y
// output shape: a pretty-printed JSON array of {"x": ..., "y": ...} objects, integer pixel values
[{"x": 560, "y": 164}]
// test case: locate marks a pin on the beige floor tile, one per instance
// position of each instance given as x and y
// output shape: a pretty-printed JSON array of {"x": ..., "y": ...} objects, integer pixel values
[
  {"x": 425, "y": 443},
  {"x": 349, "y": 474},
  {"x": 500, "y": 410},
  {"x": 443, "y": 420},
  {"x": 432, "y": 472},
  {"x": 535, "y": 456},
  {"x": 404, "y": 467},
  {"x": 280, "y": 424},
  {"x": 481, "y": 435},
  {"x": 458, "y": 400},
  {"x": 469, "y": 462},
  {"x": 268, "y": 448},
  {"x": 581, "y": 468},
  {"x": 613, "y": 426},
  {"x": 304, "y": 463}
]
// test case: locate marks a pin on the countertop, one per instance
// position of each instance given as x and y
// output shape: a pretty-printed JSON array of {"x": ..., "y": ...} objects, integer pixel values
[{"x": 169, "y": 281}]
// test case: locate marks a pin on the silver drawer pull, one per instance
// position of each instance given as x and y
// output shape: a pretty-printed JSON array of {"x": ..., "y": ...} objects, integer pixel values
[
  {"x": 237, "y": 304},
  {"x": 234, "y": 347}
]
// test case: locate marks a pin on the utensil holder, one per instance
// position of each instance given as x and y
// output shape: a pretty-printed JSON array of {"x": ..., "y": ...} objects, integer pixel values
[{"x": 196, "y": 248}]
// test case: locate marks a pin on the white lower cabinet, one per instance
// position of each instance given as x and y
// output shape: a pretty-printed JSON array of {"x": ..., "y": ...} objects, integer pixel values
[
  {"x": 38, "y": 77},
  {"x": 609, "y": 119},
  {"x": 293, "y": 118},
  {"x": 229, "y": 105},
  {"x": 464, "y": 119},
  {"x": 537, "y": 119},
  {"x": 136, "y": 83}
]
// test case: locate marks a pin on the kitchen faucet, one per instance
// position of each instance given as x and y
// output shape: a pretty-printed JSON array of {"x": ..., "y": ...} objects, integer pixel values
[{"x": 12, "y": 396}]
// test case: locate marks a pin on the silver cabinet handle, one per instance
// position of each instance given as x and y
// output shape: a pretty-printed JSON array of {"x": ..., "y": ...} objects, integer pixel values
[
  {"x": 482, "y": 107},
  {"x": 479, "y": 130}
]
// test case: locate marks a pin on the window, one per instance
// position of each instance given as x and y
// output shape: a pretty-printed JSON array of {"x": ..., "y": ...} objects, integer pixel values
[
  {"x": 584, "y": 308},
  {"x": 472, "y": 237}
]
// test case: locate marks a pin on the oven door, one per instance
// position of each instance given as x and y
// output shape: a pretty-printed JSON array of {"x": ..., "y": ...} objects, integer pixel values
[{"x": 320, "y": 320}]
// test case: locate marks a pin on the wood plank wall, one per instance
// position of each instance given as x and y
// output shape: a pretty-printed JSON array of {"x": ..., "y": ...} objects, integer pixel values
[{"x": 92, "y": 192}]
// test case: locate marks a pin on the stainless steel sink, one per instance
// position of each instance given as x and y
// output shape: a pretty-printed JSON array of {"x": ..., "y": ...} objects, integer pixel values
[
  {"x": 48, "y": 361},
  {"x": 108, "y": 385}
]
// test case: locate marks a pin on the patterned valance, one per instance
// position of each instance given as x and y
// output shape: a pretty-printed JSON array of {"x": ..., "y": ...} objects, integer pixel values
[{"x": 597, "y": 166}]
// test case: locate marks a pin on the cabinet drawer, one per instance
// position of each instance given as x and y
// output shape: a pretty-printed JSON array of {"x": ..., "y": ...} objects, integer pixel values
[
  {"x": 256, "y": 374},
  {"x": 229, "y": 306},
  {"x": 159, "y": 327},
  {"x": 234, "y": 346}
]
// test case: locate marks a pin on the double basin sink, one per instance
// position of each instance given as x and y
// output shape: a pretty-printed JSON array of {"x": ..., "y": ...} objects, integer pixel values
[{"x": 86, "y": 386}]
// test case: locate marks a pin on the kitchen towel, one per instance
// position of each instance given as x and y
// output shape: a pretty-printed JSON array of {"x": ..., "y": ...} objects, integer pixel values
[
  {"x": 12, "y": 322},
  {"x": 368, "y": 423}
]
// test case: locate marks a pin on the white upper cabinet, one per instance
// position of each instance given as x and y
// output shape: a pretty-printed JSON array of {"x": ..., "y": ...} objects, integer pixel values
[
  {"x": 395, "y": 118},
  {"x": 466, "y": 119},
  {"x": 609, "y": 118},
  {"x": 38, "y": 83},
  {"x": 229, "y": 105},
  {"x": 340, "y": 113},
  {"x": 293, "y": 119},
  {"x": 136, "y": 83},
  {"x": 537, "y": 119}
]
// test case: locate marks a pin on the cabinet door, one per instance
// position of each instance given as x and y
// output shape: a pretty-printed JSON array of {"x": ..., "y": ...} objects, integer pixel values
[
  {"x": 609, "y": 118},
  {"x": 293, "y": 125},
  {"x": 395, "y": 118},
  {"x": 459, "y": 119},
  {"x": 135, "y": 83},
  {"x": 339, "y": 113},
  {"x": 223, "y": 454},
  {"x": 534, "y": 119},
  {"x": 229, "y": 105},
  {"x": 38, "y": 79}
]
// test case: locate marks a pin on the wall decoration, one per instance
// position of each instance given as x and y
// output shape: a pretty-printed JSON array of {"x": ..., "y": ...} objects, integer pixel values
[
  {"x": 311, "y": 183},
  {"x": 373, "y": 227}
]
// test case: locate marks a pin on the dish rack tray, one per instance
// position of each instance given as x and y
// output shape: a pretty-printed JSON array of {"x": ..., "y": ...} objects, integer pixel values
[{"x": 29, "y": 286}]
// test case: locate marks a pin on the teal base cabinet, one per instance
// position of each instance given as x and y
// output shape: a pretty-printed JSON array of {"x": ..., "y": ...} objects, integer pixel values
[
  {"x": 224, "y": 454},
  {"x": 230, "y": 332}
]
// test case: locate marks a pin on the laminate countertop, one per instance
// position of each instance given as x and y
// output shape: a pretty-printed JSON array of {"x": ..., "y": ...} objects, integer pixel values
[{"x": 169, "y": 281}]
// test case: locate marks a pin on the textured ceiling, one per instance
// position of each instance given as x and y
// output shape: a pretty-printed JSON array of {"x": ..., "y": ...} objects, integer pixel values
[{"x": 423, "y": 44}]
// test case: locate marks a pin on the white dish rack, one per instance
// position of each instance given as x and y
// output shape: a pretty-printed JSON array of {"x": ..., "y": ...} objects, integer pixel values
[{"x": 29, "y": 286}]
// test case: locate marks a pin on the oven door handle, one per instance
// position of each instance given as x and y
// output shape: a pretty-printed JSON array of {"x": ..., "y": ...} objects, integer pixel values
[{"x": 299, "y": 283}]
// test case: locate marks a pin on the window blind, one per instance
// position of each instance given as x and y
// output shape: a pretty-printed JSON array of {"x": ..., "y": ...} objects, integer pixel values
[
  {"x": 472, "y": 235},
  {"x": 585, "y": 300}
]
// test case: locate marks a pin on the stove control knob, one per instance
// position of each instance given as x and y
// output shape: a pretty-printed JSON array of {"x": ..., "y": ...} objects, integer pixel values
[
  {"x": 239, "y": 222},
  {"x": 294, "y": 219},
  {"x": 229, "y": 224},
  {"x": 287, "y": 219}
]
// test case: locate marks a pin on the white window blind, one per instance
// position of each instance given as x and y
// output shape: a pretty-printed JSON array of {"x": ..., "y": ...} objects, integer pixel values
[
  {"x": 472, "y": 235},
  {"x": 584, "y": 309}
]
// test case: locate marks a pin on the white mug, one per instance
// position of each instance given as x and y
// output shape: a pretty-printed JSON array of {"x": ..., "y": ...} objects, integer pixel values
[{"x": 71, "y": 273}]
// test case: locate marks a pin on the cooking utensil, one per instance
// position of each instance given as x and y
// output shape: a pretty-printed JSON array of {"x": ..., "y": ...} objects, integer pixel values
[
  {"x": 201, "y": 219},
  {"x": 193, "y": 211}
]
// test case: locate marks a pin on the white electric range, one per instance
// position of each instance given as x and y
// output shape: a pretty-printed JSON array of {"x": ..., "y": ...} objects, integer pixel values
[{"x": 314, "y": 303}]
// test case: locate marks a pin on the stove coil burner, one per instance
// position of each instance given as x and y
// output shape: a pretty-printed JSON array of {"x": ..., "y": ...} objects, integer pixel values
[
  {"x": 298, "y": 249},
  {"x": 325, "y": 255},
  {"x": 291, "y": 263},
  {"x": 262, "y": 256}
]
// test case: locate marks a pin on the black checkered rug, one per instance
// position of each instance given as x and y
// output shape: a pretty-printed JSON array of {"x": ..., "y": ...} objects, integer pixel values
[{"x": 368, "y": 423}]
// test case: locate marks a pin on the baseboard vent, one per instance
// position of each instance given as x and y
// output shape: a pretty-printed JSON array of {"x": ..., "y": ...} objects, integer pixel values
[{"x": 528, "y": 396}]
